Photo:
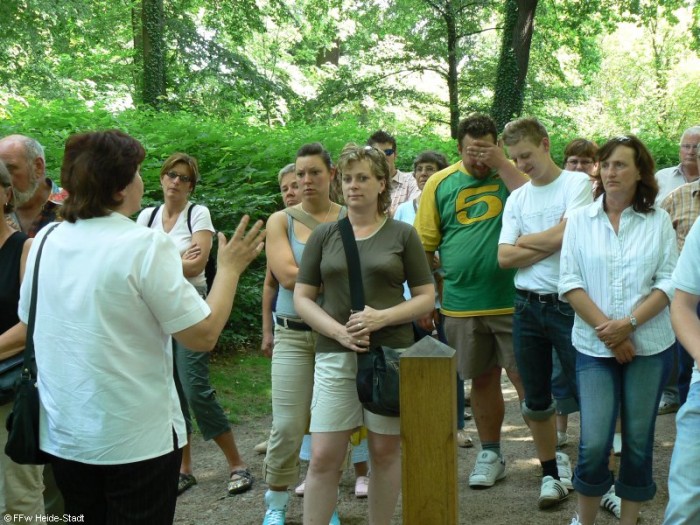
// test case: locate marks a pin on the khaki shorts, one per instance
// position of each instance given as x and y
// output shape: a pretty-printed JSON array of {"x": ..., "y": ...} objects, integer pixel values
[
  {"x": 335, "y": 406},
  {"x": 481, "y": 343}
]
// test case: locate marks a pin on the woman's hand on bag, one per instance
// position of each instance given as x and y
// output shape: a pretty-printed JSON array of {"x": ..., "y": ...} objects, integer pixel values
[
  {"x": 614, "y": 331},
  {"x": 365, "y": 322},
  {"x": 192, "y": 252},
  {"x": 355, "y": 342},
  {"x": 624, "y": 352}
]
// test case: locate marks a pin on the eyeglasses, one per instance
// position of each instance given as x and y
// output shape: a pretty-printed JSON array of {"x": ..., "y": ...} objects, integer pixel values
[
  {"x": 183, "y": 178},
  {"x": 388, "y": 152},
  {"x": 689, "y": 147}
]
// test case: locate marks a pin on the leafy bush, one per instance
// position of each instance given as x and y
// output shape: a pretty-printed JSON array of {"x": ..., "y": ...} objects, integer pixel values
[{"x": 239, "y": 162}]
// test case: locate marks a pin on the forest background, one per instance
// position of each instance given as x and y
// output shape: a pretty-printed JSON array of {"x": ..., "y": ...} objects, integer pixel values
[{"x": 241, "y": 84}]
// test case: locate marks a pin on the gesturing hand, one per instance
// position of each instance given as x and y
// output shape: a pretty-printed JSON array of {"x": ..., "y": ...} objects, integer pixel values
[{"x": 243, "y": 247}]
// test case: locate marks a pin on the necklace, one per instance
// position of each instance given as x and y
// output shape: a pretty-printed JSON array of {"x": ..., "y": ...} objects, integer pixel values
[{"x": 310, "y": 215}]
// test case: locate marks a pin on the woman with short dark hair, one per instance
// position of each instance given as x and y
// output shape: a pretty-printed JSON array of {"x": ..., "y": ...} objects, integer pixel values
[{"x": 111, "y": 293}]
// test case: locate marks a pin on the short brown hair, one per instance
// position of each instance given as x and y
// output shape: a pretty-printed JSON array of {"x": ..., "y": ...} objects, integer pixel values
[
  {"x": 580, "y": 148},
  {"x": 378, "y": 164},
  {"x": 95, "y": 167},
  {"x": 187, "y": 160},
  {"x": 524, "y": 128},
  {"x": 647, "y": 188},
  {"x": 477, "y": 125}
]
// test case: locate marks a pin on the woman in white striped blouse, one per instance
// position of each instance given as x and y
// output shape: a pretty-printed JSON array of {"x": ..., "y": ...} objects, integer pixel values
[{"x": 616, "y": 263}]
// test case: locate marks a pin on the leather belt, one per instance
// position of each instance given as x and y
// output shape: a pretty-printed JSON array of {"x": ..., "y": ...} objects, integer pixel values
[
  {"x": 549, "y": 298},
  {"x": 293, "y": 324}
]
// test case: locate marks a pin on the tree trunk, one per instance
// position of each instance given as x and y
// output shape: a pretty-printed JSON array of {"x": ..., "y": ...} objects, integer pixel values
[
  {"x": 513, "y": 61},
  {"x": 451, "y": 26},
  {"x": 153, "y": 52},
  {"x": 137, "y": 69}
]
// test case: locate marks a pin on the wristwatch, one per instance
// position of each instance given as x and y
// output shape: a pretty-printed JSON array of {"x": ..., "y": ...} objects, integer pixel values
[{"x": 633, "y": 322}]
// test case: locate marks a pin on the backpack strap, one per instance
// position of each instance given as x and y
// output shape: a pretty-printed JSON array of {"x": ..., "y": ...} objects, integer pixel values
[
  {"x": 189, "y": 217},
  {"x": 153, "y": 215},
  {"x": 304, "y": 218}
]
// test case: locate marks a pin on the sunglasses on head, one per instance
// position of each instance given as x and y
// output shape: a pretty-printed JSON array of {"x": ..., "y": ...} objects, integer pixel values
[{"x": 183, "y": 178}]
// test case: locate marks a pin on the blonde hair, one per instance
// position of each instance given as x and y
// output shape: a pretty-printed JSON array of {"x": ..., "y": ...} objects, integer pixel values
[{"x": 378, "y": 165}]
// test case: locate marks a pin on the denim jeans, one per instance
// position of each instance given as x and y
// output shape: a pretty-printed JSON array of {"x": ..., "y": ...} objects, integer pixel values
[
  {"x": 684, "y": 476},
  {"x": 634, "y": 387},
  {"x": 539, "y": 327}
]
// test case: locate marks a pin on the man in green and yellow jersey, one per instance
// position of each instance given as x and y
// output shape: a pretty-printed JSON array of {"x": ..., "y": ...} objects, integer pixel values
[{"x": 460, "y": 216}]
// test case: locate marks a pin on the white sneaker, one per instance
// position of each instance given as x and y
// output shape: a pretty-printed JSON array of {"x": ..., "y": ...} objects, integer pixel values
[
  {"x": 611, "y": 502},
  {"x": 564, "y": 470},
  {"x": 552, "y": 492},
  {"x": 575, "y": 521},
  {"x": 463, "y": 439},
  {"x": 617, "y": 444},
  {"x": 299, "y": 491},
  {"x": 562, "y": 439},
  {"x": 489, "y": 469}
]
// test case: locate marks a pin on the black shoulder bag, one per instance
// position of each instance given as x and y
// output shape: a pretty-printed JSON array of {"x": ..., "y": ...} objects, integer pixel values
[
  {"x": 377, "y": 369},
  {"x": 23, "y": 422}
]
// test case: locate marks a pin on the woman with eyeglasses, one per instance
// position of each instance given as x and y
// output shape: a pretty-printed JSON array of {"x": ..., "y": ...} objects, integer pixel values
[
  {"x": 190, "y": 228},
  {"x": 617, "y": 258},
  {"x": 390, "y": 253}
]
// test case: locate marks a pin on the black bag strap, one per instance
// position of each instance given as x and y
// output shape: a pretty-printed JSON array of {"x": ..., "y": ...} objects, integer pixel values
[
  {"x": 29, "y": 345},
  {"x": 189, "y": 216},
  {"x": 352, "y": 256},
  {"x": 153, "y": 215}
]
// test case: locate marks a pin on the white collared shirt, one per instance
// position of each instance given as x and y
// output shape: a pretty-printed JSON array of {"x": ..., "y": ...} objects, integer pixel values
[
  {"x": 110, "y": 294},
  {"x": 668, "y": 180},
  {"x": 618, "y": 271}
]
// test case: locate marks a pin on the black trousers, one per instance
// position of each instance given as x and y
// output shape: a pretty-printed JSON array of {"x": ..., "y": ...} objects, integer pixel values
[{"x": 140, "y": 493}]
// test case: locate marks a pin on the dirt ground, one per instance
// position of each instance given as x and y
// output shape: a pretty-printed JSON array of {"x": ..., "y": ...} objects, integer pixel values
[{"x": 512, "y": 501}]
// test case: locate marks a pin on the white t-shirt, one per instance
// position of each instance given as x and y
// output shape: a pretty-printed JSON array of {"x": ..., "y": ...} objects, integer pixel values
[
  {"x": 406, "y": 212},
  {"x": 533, "y": 209},
  {"x": 110, "y": 294},
  {"x": 686, "y": 276},
  {"x": 180, "y": 234}
]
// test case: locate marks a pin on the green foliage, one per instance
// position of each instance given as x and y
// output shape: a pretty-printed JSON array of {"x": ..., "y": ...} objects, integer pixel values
[{"x": 242, "y": 382}]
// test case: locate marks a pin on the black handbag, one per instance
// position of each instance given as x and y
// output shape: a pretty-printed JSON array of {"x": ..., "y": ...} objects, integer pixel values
[
  {"x": 23, "y": 422},
  {"x": 10, "y": 370},
  {"x": 378, "y": 369}
]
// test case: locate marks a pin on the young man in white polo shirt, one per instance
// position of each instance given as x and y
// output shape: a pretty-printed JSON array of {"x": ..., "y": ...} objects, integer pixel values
[{"x": 531, "y": 236}]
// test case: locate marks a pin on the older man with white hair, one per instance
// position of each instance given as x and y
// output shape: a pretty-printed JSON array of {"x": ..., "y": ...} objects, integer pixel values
[
  {"x": 36, "y": 197},
  {"x": 669, "y": 179}
]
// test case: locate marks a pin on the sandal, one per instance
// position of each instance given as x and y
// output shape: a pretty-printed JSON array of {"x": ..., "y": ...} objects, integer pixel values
[
  {"x": 241, "y": 481},
  {"x": 184, "y": 482}
]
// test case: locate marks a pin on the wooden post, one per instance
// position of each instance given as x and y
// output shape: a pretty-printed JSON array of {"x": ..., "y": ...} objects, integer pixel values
[{"x": 428, "y": 432}]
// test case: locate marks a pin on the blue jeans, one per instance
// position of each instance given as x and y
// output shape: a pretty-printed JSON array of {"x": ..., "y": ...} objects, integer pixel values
[
  {"x": 539, "y": 327},
  {"x": 634, "y": 387},
  {"x": 684, "y": 477}
]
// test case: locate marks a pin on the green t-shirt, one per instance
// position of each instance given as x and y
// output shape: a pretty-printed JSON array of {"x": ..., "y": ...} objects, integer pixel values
[
  {"x": 460, "y": 216},
  {"x": 392, "y": 255}
]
